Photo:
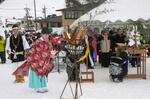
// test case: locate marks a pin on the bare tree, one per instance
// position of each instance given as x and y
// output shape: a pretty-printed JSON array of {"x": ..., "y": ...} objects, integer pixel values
[
  {"x": 73, "y": 3},
  {"x": 95, "y": 1}
]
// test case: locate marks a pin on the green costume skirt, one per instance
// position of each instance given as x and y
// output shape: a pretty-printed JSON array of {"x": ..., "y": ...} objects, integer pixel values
[{"x": 35, "y": 82}]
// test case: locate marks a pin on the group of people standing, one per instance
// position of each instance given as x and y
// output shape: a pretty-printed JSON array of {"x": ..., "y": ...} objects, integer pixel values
[
  {"x": 108, "y": 47},
  {"x": 107, "y": 42}
]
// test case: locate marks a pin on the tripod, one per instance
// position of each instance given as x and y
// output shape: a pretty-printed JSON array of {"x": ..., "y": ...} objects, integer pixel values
[
  {"x": 57, "y": 61},
  {"x": 58, "y": 65},
  {"x": 60, "y": 48},
  {"x": 77, "y": 82}
]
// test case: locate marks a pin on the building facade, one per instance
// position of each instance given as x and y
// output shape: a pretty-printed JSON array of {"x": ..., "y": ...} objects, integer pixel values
[
  {"x": 70, "y": 14},
  {"x": 51, "y": 21},
  {"x": 76, "y": 8}
]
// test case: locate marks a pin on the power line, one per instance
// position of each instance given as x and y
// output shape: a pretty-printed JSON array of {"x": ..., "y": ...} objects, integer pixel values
[
  {"x": 11, "y": 9},
  {"x": 16, "y": 9}
]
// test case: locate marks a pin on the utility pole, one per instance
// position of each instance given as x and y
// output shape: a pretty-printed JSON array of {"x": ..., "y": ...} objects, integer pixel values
[
  {"x": 6, "y": 20},
  {"x": 44, "y": 11},
  {"x": 35, "y": 14},
  {"x": 27, "y": 16}
]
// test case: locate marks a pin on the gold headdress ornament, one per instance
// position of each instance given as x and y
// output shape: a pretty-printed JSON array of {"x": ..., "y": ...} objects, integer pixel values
[
  {"x": 78, "y": 35},
  {"x": 75, "y": 37}
]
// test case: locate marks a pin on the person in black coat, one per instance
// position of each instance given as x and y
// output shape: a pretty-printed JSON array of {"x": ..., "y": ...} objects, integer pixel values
[
  {"x": 120, "y": 37},
  {"x": 119, "y": 65}
]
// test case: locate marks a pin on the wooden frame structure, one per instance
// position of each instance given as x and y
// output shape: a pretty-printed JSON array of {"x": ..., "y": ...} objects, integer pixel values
[
  {"x": 141, "y": 57},
  {"x": 87, "y": 76}
]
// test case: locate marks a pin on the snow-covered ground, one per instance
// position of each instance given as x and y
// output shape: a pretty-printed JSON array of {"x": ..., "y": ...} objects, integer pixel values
[{"x": 103, "y": 88}]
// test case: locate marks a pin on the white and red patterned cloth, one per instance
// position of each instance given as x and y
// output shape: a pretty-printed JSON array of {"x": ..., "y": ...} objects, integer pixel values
[{"x": 39, "y": 59}]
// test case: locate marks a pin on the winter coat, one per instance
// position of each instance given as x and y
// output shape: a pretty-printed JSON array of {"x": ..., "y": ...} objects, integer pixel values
[{"x": 105, "y": 44}]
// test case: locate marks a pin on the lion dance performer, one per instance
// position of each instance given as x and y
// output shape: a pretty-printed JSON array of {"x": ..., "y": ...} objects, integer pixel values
[{"x": 79, "y": 49}]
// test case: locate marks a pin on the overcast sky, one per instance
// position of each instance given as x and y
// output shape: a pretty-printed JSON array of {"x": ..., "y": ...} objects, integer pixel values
[{"x": 15, "y": 8}]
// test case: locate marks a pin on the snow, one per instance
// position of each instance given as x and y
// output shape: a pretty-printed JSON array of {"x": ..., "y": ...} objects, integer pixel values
[
  {"x": 102, "y": 88},
  {"x": 118, "y": 10}
]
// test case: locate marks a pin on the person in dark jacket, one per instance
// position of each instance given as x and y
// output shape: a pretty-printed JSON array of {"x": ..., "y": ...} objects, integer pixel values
[
  {"x": 119, "y": 65},
  {"x": 118, "y": 38}
]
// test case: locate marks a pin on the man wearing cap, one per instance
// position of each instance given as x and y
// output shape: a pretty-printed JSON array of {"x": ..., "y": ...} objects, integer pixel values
[
  {"x": 39, "y": 62},
  {"x": 16, "y": 45}
]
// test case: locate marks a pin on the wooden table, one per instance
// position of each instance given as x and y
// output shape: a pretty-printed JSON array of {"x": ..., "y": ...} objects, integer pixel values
[{"x": 141, "y": 68}]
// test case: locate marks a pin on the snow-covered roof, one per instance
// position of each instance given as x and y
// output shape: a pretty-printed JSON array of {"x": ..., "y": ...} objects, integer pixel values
[{"x": 113, "y": 10}]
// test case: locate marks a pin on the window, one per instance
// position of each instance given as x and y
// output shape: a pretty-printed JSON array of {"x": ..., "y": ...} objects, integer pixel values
[
  {"x": 71, "y": 15},
  {"x": 76, "y": 15}
]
